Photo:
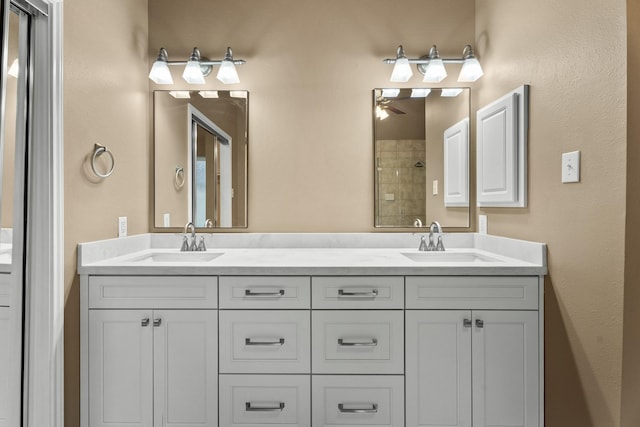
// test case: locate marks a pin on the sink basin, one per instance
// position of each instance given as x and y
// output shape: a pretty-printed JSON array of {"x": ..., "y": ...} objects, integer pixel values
[
  {"x": 459, "y": 257},
  {"x": 177, "y": 257}
]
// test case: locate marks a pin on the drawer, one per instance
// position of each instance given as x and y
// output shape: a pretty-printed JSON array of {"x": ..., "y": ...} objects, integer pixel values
[
  {"x": 358, "y": 292},
  {"x": 472, "y": 292},
  {"x": 358, "y": 400},
  {"x": 265, "y": 400},
  {"x": 264, "y": 341},
  {"x": 358, "y": 342},
  {"x": 5, "y": 290},
  {"x": 153, "y": 292},
  {"x": 265, "y": 292}
]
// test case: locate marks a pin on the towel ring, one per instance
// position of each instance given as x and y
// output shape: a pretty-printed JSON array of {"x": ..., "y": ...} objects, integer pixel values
[
  {"x": 179, "y": 178},
  {"x": 98, "y": 150}
]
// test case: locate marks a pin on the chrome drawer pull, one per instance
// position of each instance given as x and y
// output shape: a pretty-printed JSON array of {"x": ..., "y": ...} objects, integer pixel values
[
  {"x": 252, "y": 407},
  {"x": 372, "y": 293},
  {"x": 372, "y": 410},
  {"x": 466, "y": 323},
  {"x": 250, "y": 341},
  {"x": 251, "y": 293},
  {"x": 144, "y": 322},
  {"x": 479, "y": 323},
  {"x": 372, "y": 343},
  {"x": 157, "y": 322}
]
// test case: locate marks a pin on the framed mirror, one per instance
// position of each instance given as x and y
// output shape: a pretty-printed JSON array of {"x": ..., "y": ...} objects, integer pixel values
[
  {"x": 421, "y": 148},
  {"x": 200, "y": 158}
]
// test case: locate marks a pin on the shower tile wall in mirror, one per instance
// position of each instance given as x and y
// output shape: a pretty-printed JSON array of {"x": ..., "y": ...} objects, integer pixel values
[
  {"x": 420, "y": 154},
  {"x": 200, "y": 158}
]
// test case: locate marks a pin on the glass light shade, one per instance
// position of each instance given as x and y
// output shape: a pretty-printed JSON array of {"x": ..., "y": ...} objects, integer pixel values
[
  {"x": 470, "y": 71},
  {"x": 390, "y": 93},
  {"x": 420, "y": 92},
  {"x": 401, "y": 71},
  {"x": 192, "y": 73},
  {"x": 227, "y": 73},
  {"x": 380, "y": 113},
  {"x": 180, "y": 94},
  {"x": 450, "y": 92},
  {"x": 160, "y": 73},
  {"x": 435, "y": 72},
  {"x": 209, "y": 93}
]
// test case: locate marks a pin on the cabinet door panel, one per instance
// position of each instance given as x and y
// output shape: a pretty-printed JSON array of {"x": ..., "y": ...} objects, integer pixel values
[
  {"x": 185, "y": 367},
  {"x": 505, "y": 369},
  {"x": 438, "y": 372},
  {"x": 4, "y": 366},
  {"x": 120, "y": 368}
]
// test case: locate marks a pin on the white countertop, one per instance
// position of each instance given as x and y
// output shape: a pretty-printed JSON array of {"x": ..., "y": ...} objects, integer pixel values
[{"x": 318, "y": 254}]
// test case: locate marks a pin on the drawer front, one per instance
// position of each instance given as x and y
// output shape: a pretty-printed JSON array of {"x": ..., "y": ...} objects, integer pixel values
[
  {"x": 358, "y": 342},
  {"x": 153, "y": 292},
  {"x": 5, "y": 290},
  {"x": 265, "y": 292},
  {"x": 466, "y": 292},
  {"x": 358, "y": 292},
  {"x": 263, "y": 341},
  {"x": 358, "y": 400},
  {"x": 265, "y": 400}
]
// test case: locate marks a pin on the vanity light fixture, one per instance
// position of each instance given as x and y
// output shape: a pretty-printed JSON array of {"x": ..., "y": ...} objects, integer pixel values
[
  {"x": 432, "y": 67},
  {"x": 196, "y": 68},
  {"x": 180, "y": 94},
  {"x": 238, "y": 94}
]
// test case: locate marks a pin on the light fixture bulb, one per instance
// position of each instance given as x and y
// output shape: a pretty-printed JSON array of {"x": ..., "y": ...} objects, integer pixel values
[
  {"x": 160, "y": 73},
  {"x": 435, "y": 72},
  {"x": 420, "y": 92},
  {"x": 192, "y": 72},
  {"x": 470, "y": 71},
  {"x": 14, "y": 69}
]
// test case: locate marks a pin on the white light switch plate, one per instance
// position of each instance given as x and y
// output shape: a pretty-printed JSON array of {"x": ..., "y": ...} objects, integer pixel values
[
  {"x": 122, "y": 226},
  {"x": 435, "y": 187},
  {"x": 166, "y": 220},
  {"x": 571, "y": 167}
]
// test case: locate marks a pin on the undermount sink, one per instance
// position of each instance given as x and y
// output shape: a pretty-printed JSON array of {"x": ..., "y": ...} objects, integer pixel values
[
  {"x": 177, "y": 257},
  {"x": 459, "y": 257}
]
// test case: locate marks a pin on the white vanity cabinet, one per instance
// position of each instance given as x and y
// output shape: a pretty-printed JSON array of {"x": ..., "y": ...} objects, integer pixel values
[
  {"x": 468, "y": 367},
  {"x": 153, "y": 360}
]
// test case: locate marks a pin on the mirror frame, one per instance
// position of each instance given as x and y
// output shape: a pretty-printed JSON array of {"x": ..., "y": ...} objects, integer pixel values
[
  {"x": 471, "y": 208},
  {"x": 152, "y": 199}
]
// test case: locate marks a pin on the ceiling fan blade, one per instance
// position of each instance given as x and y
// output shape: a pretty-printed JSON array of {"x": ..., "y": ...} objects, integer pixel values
[{"x": 394, "y": 109}]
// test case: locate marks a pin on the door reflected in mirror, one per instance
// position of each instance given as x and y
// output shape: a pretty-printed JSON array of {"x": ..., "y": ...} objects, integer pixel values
[
  {"x": 421, "y": 157},
  {"x": 200, "y": 158}
]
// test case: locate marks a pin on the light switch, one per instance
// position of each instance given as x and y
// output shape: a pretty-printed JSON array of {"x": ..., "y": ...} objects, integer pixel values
[
  {"x": 435, "y": 187},
  {"x": 571, "y": 167},
  {"x": 482, "y": 224},
  {"x": 166, "y": 220},
  {"x": 122, "y": 226}
]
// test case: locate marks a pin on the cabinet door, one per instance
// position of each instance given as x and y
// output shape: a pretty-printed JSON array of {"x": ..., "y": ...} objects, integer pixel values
[
  {"x": 438, "y": 371},
  {"x": 185, "y": 368},
  {"x": 120, "y": 368},
  {"x": 4, "y": 366},
  {"x": 505, "y": 369}
]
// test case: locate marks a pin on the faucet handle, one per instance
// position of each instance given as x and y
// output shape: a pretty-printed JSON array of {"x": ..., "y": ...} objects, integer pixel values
[
  {"x": 431, "y": 247},
  {"x": 440, "y": 245},
  {"x": 202, "y": 247},
  {"x": 423, "y": 244},
  {"x": 185, "y": 244}
]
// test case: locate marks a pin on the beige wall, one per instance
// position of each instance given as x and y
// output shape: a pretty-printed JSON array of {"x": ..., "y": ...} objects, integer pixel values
[
  {"x": 630, "y": 413},
  {"x": 573, "y": 54},
  {"x": 106, "y": 101}
]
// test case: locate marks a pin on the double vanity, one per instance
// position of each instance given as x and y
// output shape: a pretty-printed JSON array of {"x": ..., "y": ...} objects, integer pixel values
[{"x": 312, "y": 330}]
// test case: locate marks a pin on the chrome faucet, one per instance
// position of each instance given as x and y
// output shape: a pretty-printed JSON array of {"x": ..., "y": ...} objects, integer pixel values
[
  {"x": 437, "y": 228},
  {"x": 186, "y": 246}
]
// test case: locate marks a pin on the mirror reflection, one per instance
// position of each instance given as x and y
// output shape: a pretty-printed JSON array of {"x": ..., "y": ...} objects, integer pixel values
[
  {"x": 421, "y": 140},
  {"x": 200, "y": 161}
]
